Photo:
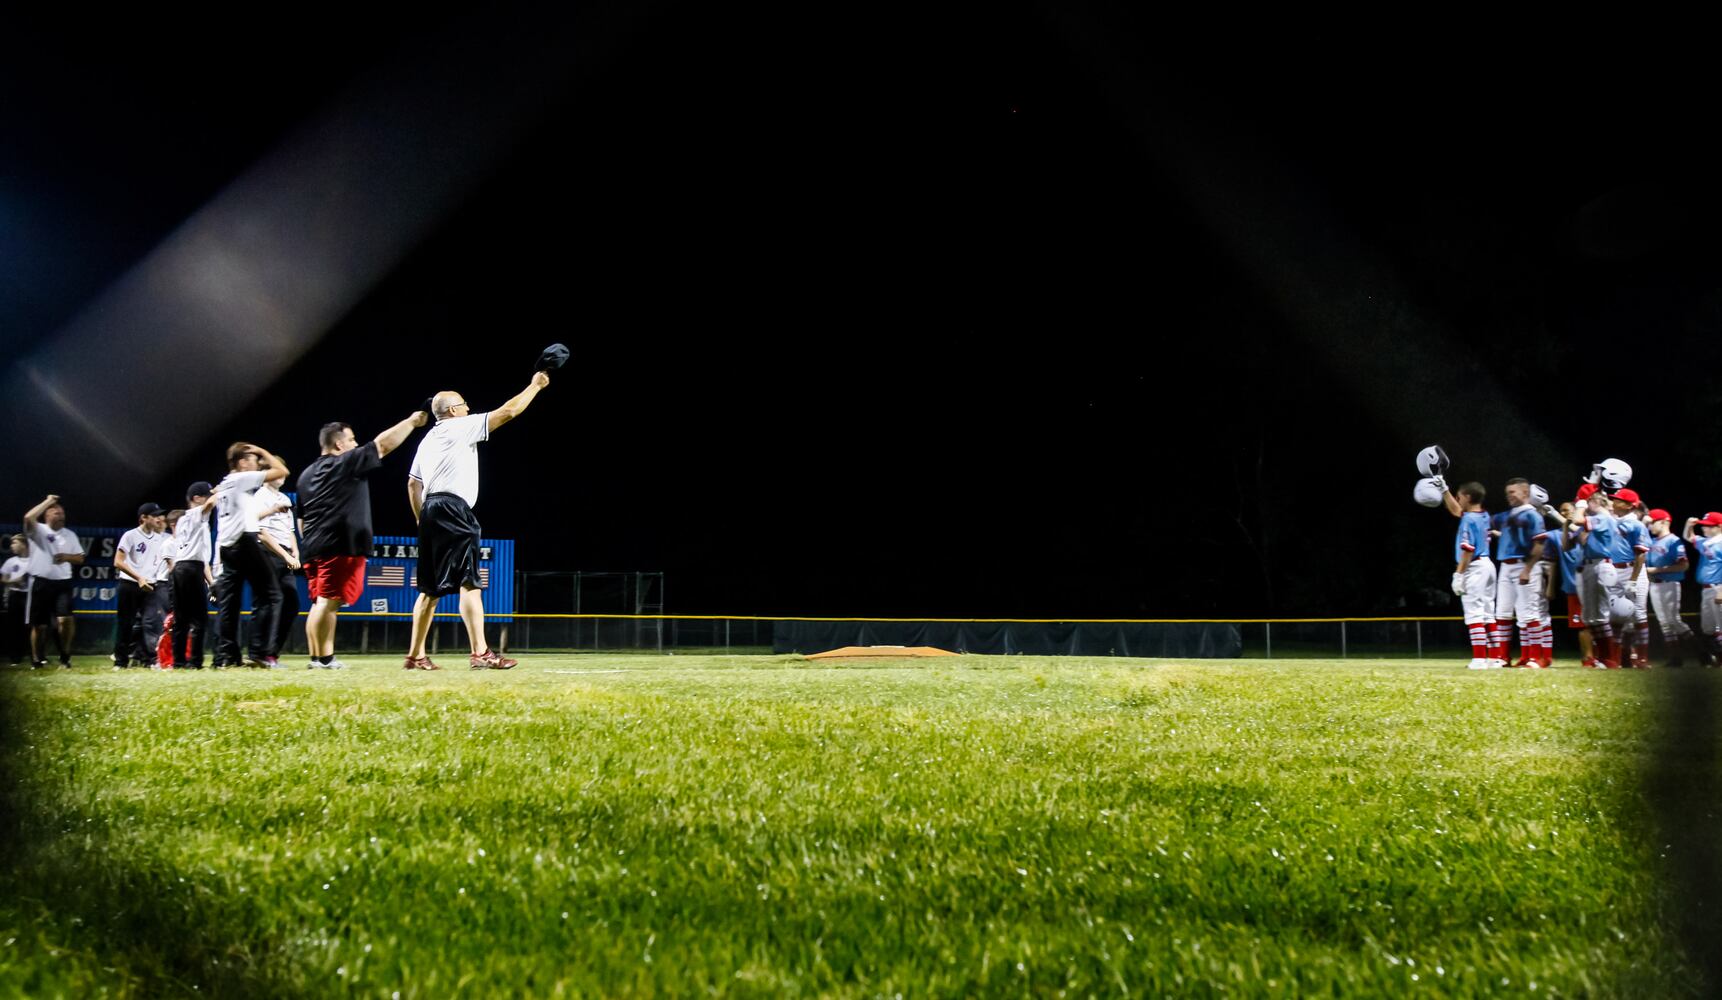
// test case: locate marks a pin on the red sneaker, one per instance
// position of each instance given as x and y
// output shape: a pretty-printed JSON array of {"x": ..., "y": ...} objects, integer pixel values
[
  {"x": 1607, "y": 665},
  {"x": 490, "y": 659},
  {"x": 1589, "y": 663},
  {"x": 419, "y": 663}
]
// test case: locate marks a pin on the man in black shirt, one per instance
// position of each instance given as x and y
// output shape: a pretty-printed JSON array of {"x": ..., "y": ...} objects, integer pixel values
[{"x": 335, "y": 525}]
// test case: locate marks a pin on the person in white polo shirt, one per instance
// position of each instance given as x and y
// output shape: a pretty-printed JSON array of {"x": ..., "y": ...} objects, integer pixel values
[
  {"x": 243, "y": 560},
  {"x": 54, "y": 550},
  {"x": 193, "y": 570},
  {"x": 15, "y": 579},
  {"x": 138, "y": 560},
  {"x": 281, "y": 545},
  {"x": 443, "y": 488}
]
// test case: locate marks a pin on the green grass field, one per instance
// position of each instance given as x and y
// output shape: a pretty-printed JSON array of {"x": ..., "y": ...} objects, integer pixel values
[{"x": 606, "y": 825}]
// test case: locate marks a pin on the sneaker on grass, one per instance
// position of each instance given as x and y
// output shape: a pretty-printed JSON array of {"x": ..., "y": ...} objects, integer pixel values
[{"x": 490, "y": 659}]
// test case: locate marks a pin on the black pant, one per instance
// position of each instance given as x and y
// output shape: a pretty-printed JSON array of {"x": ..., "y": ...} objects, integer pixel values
[
  {"x": 190, "y": 613},
  {"x": 14, "y": 632},
  {"x": 245, "y": 562},
  {"x": 128, "y": 625},
  {"x": 156, "y": 602},
  {"x": 289, "y": 600}
]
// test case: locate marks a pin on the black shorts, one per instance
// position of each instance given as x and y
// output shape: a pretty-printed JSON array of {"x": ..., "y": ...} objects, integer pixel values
[
  {"x": 48, "y": 600},
  {"x": 448, "y": 545}
]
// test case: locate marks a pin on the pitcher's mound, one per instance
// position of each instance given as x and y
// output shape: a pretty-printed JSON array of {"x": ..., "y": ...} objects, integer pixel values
[{"x": 849, "y": 651}]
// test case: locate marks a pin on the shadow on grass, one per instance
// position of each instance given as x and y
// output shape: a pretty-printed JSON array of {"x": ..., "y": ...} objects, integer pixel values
[
  {"x": 1682, "y": 784},
  {"x": 112, "y": 919}
]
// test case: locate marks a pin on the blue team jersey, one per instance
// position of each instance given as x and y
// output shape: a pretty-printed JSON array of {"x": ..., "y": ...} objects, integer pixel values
[
  {"x": 1572, "y": 560},
  {"x": 1666, "y": 551},
  {"x": 1498, "y": 528},
  {"x": 1473, "y": 536},
  {"x": 1518, "y": 527},
  {"x": 1604, "y": 539},
  {"x": 1709, "y": 560},
  {"x": 1634, "y": 538}
]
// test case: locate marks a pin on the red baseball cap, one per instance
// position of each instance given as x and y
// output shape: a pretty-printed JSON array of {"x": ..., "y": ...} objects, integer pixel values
[
  {"x": 1585, "y": 492},
  {"x": 1658, "y": 514},
  {"x": 1627, "y": 496},
  {"x": 1711, "y": 518}
]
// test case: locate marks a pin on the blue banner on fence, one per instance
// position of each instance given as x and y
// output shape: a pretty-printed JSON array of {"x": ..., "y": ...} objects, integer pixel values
[{"x": 391, "y": 575}]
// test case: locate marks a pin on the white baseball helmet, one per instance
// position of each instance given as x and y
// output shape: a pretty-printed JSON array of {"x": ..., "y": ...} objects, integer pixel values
[
  {"x": 1432, "y": 461},
  {"x": 1428, "y": 493},
  {"x": 1539, "y": 496},
  {"x": 1621, "y": 609},
  {"x": 1611, "y": 474}
]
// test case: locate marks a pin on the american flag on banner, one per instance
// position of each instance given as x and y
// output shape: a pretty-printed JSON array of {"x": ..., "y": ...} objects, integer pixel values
[{"x": 387, "y": 576}]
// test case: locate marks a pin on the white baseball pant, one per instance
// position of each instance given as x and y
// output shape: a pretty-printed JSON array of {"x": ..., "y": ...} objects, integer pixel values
[
  {"x": 1665, "y": 602},
  {"x": 1709, "y": 615},
  {"x": 1529, "y": 601},
  {"x": 1598, "y": 583},
  {"x": 1478, "y": 600}
]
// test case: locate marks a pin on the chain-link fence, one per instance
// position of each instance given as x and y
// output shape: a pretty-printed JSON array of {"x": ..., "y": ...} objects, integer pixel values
[{"x": 359, "y": 632}]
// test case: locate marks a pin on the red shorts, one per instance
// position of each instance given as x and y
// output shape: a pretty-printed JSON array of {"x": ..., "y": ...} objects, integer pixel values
[
  {"x": 339, "y": 578},
  {"x": 1575, "y": 612}
]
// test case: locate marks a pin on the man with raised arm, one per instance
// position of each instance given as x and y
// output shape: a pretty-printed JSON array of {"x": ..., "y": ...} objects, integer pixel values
[
  {"x": 443, "y": 488},
  {"x": 335, "y": 525}
]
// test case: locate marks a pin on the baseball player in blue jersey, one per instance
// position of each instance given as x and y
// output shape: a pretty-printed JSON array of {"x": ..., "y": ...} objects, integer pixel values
[
  {"x": 1538, "y": 581},
  {"x": 1705, "y": 536},
  {"x": 1519, "y": 588},
  {"x": 1665, "y": 565},
  {"x": 1635, "y": 585},
  {"x": 1571, "y": 557},
  {"x": 1600, "y": 581},
  {"x": 1474, "y": 577}
]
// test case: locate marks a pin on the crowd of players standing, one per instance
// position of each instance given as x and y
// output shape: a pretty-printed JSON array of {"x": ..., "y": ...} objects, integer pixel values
[
  {"x": 241, "y": 532},
  {"x": 1615, "y": 560}
]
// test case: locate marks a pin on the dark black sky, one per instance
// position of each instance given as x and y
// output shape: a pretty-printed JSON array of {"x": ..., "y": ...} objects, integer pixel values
[{"x": 1017, "y": 312}]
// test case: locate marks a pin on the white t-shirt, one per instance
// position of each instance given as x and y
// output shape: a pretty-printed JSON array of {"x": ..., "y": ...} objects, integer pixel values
[
  {"x": 15, "y": 573},
  {"x": 236, "y": 506},
  {"x": 276, "y": 526},
  {"x": 191, "y": 536},
  {"x": 447, "y": 459},
  {"x": 45, "y": 544},
  {"x": 145, "y": 553}
]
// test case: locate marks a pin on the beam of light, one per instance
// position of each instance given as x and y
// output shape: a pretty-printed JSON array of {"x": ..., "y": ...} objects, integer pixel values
[
  {"x": 1335, "y": 292},
  {"x": 208, "y": 319}
]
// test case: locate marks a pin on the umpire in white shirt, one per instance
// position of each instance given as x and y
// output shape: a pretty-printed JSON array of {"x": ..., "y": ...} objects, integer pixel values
[
  {"x": 15, "y": 578},
  {"x": 443, "y": 488},
  {"x": 54, "y": 550},
  {"x": 281, "y": 546},
  {"x": 138, "y": 561},
  {"x": 193, "y": 569},
  {"x": 243, "y": 560}
]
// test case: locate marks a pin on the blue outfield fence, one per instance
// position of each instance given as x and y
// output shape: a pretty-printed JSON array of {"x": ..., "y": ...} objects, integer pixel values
[{"x": 391, "y": 576}]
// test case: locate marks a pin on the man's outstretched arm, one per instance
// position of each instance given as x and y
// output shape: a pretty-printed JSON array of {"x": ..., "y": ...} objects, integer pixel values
[{"x": 516, "y": 406}]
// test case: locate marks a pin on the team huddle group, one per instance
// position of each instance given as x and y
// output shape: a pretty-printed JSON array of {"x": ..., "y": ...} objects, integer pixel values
[
  {"x": 242, "y": 532},
  {"x": 1617, "y": 561}
]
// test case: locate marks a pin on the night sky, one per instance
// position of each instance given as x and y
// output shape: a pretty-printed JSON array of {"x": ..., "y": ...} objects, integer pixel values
[{"x": 1046, "y": 311}]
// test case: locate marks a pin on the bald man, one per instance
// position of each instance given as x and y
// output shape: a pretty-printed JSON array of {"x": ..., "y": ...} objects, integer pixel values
[{"x": 443, "y": 488}]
